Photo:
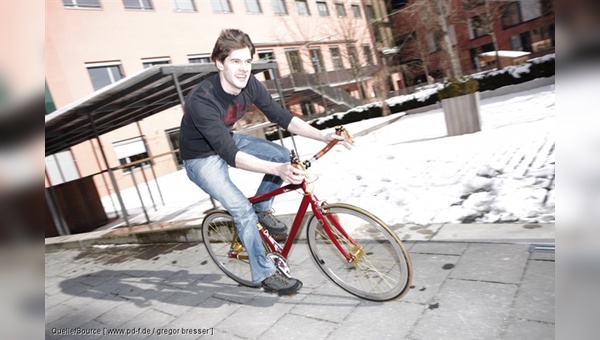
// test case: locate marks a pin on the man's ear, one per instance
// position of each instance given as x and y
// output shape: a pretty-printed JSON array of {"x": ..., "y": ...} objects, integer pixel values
[{"x": 219, "y": 65}]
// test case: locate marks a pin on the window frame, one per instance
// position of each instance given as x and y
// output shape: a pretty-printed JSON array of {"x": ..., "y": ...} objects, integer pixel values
[
  {"x": 336, "y": 58},
  {"x": 340, "y": 10},
  {"x": 199, "y": 57},
  {"x": 356, "y": 10},
  {"x": 316, "y": 52},
  {"x": 368, "y": 54},
  {"x": 257, "y": 10},
  {"x": 184, "y": 10},
  {"x": 291, "y": 56},
  {"x": 302, "y": 5},
  {"x": 76, "y": 5},
  {"x": 142, "y": 5},
  {"x": 149, "y": 62},
  {"x": 107, "y": 66},
  {"x": 128, "y": 159},
  {"x": 279, "y": 5},
  {"x": 323, "y": 5},
  {"x": 221, "y": 8}
]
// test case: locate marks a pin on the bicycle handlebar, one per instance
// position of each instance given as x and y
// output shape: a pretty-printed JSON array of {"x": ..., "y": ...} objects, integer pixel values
[{"x": 306, "y": 164}]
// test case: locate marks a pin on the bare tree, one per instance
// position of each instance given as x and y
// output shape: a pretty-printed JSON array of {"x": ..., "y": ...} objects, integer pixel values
[{"x": 431, "y": 20}]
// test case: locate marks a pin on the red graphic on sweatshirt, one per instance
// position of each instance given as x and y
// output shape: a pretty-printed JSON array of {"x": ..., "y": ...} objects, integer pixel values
[{"x": 234, "y": 113}]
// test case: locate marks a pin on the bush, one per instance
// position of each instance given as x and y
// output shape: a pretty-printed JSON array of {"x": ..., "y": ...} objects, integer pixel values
[{"x": 536, "y": 68}]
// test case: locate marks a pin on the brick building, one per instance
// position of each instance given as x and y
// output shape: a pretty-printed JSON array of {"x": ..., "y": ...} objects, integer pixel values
[{"x": 525, "y": 25}]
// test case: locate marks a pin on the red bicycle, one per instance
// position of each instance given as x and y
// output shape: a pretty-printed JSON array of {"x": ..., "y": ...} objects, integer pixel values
[{"x": 351, "y": 246}]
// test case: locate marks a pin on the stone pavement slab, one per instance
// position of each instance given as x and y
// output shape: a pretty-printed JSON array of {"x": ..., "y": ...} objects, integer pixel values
[{"x": 462, "y": 290}]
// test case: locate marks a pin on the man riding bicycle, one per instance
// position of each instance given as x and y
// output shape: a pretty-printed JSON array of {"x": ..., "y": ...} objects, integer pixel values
[{"x": 208, "y": 147}]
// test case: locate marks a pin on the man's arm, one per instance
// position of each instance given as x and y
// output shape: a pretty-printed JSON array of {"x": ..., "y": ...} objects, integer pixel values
[
  {"x": 302, "y": 128},
  {"x": 284, "y": 170}
]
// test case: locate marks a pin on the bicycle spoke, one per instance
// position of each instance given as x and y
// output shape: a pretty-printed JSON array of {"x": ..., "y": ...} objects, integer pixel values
[{"x": 379, "y": 269}]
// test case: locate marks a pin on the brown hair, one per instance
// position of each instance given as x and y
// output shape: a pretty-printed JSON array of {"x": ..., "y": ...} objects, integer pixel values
[{"x": 229, "y": 40}]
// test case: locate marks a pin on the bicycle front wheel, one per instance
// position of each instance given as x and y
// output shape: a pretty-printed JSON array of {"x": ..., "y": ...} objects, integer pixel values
[
  {"x": 224, "y": 247},
  {"x": 379, "y": 268}
]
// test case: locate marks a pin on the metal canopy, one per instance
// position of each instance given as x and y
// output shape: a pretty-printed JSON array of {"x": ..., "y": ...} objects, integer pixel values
[{"x": 131, "y": 99}]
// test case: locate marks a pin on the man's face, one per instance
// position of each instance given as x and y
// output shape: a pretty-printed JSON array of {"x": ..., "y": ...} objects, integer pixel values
[{"x": 235, "y": 70}]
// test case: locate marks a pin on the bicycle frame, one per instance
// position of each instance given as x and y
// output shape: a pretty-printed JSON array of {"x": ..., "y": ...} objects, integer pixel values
[{"x": 316, "y": 206}]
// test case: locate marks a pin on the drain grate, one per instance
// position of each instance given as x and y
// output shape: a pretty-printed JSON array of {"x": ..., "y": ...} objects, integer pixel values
[{"x": 542, "y": 248}]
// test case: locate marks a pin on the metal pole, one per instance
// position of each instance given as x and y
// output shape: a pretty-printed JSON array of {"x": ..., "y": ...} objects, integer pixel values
[
  {"x": 103, "y": 178},
  {"x": 110, "y": 172},
  {"x": 182, "y": 101},
  {"x": 151, "y": 167},
  {"x": 282, "y": 102},
  {"x": 139, "y": 193}
]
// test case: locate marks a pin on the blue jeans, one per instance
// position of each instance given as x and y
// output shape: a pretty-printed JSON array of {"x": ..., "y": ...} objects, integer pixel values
[{"x": 211, "y": 174}]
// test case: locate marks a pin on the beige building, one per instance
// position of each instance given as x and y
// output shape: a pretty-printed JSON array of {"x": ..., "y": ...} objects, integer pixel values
[{"x": 326, "y": 51}]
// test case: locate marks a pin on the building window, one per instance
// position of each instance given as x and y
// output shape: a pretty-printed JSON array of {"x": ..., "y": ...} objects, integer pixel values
[
  {"x": 340, "y": 9},
  {"x": 81, "y": 3},
  {"x": 279, "y": 7},
  {"x": 184, "y": 6},
  {"x": 173, "y": 137},
  {"x": 253, "y": 6},
  {"x": 356, "y": 11},
  {"x": 515, "y": 43},
  {"x": 220, "y": 6},
  {"x": 104, "y": 74},
  {"x": 294, "y": 61},
  {"x": 477, "y": 27},
  {"x": 370, "y": 12},
  {"x": 155, "y": 61},
  {"x": 317, "y": 60},
  {"x": 353, "y": 56},
  {"x": 302, "y": 7},
  {"x": 511, "y": 15},
  {"x": 433, "y": 44},
  {"x": 530, "y": 9},
  {"x": 130, "y": 151},
  {"x": 470, "y": 4},
  {"x": 267, "y": 56},
  {"x": 336, "y": 58},
  {"x": 199, "y": 59},
  {"x": 322, "y": 7},
  {"x": 368, "y": 55},
  {"x": 377, "y": 34},
  {"x": 547, "y": 8},
  {"x": 137, "y": 4}
]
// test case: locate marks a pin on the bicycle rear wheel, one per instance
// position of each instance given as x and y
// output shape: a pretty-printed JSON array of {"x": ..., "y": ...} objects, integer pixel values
[
  {"x": 380, "y": 267},
  {"x": 224, "y": 247}
]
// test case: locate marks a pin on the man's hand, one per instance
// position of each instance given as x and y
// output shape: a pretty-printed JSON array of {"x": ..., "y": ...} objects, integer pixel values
[
  {"x": 344, "y": 138},
  {"x": 290, "y": 174}
]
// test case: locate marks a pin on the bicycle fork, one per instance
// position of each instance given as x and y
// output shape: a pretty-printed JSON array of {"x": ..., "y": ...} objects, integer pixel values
[{"x": 357, "y": 251}]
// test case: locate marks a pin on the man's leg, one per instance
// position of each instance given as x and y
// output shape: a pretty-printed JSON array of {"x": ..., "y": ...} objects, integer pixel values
[
  {"x": 273, "y": 152},
  {"x": 211, "y": 174}
]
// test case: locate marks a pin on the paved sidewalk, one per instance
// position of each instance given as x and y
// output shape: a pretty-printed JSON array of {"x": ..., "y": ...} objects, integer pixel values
[{"x": 469, "y": 283}]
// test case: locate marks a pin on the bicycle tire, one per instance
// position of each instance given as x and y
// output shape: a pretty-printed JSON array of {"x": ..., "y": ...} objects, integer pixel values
[
  {"x": 381, "y": 269},
  {"x": 219, "y": 237}
]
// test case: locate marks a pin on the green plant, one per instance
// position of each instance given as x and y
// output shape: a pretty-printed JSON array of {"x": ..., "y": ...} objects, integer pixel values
[{"x": 458, "y": 88}]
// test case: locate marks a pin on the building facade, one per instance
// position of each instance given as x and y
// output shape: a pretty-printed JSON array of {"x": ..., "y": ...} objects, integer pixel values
[{"x": 327, "y": 53}]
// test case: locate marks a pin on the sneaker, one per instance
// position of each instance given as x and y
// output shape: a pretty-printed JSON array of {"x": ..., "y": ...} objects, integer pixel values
[
  {"x": 271, "y": 223},
  {"x": 280, "y": 284}
]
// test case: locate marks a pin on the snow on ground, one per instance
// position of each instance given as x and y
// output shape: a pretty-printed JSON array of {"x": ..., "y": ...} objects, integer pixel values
[{"x": 410, "y": 172}]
